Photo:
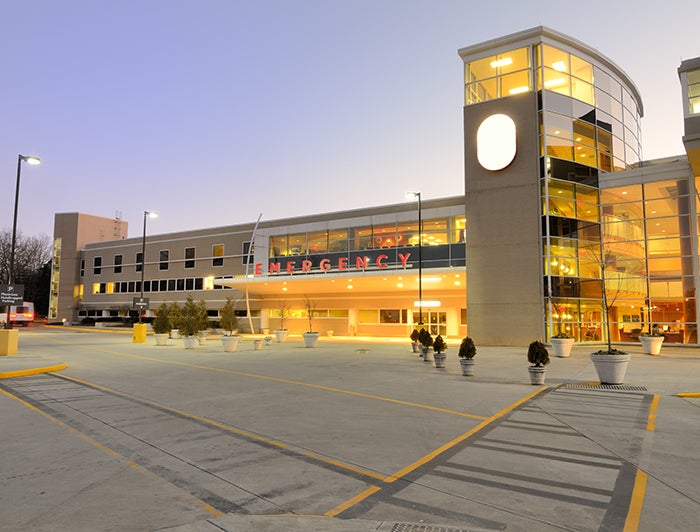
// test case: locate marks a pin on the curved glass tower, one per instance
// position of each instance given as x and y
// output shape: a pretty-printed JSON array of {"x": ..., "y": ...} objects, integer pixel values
[{"x": 577, "y": 120}]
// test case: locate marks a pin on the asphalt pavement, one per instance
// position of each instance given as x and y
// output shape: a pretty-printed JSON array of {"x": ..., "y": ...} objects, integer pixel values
[{"x": 390, "y": 444}]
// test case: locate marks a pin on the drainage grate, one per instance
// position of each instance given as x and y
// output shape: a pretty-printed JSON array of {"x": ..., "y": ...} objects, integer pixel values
[
  {"x": 611, "y": 387},
  {"x": 412, "y": 527}
]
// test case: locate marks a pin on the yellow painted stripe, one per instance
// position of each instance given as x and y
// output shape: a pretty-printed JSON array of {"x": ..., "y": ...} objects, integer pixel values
[
  {"x": 651, "y": 421},
  {"x": 286, "y": 381},
  {"x": 634, "y": 512},
  {"x": 689, "y": 394},
  {"x": 430, "y": 456},
  {"x": 353, "y": 501},
  {"x": 103, "y": 448},
  {"x": 635, "y": 509},
  {"x": 33, "y": 371},
  {"x": 231, "y": 429}
]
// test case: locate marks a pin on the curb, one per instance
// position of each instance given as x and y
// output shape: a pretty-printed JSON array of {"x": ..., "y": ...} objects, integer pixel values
[{"x": 32, "y": 371}]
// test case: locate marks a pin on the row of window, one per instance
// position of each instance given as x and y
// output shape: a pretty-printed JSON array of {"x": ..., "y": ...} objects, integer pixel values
[
  {"x": 156, "y": 285},
  {"x": 391, "y": 235},
  {"x": 189, "y": 260},
  {"x": 557, "y": 71}
]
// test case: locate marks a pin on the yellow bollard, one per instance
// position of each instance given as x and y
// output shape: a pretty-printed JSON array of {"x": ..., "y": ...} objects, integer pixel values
[
  {"x": 9, "y": 340},
  {"x": 139, "y": 333}
]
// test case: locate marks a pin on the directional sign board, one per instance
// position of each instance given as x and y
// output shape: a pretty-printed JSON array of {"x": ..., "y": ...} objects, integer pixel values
[
  {"x": 141, "y": 303},
  {"x": 11, "y": 294}
]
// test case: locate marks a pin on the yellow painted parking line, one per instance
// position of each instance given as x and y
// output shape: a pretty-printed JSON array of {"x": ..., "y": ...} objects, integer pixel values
[
  {"x": 429, "y": 457},
  {"x": 97, "y": 445},
  {"x": 286, "y": 381},
  {"x": 229, "y": 428},
  {"x": 689, "y": 394},
  {"x": 352, "y": 501},
  {"x": 651, "y": 420},
  {"x": 32, "y": 371},
  {"x": 634, "y": 512}
]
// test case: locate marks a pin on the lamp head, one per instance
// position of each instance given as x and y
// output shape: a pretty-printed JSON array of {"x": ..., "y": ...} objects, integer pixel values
[
  {"x": 29, "y": 159},
  {"x": 412, "y": 195},
  {"x": 150, "y": 214}
]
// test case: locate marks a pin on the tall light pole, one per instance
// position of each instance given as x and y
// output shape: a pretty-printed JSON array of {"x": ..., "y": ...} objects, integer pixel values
[
  {"x": 416, "y": 195},
  {"x": 146, "y": 215},
  {"x": 33, "y": 161}
]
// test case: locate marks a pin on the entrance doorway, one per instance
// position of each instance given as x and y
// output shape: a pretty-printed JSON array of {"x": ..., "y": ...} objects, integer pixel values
[{"x": 434, "y": 321}]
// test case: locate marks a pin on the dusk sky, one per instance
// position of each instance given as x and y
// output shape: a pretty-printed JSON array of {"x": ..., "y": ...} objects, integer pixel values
[{"x": 212, "y": 112}]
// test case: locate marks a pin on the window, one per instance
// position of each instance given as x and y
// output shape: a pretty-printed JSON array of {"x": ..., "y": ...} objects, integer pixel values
[
  {"x": 694, "y": 92},
  {"x": 164, "y": 259},
  {"x": 248, "y": 253},
  {"x": 217, "y": 252},
  {"x": 189, "y": 257},
  {"x": 139, "y": 261},
  {"x": 82, "y": 268},
  {"x": 118, "y": 264},
  {"x": 97, "y": 265},
  {"x": 497, "y": 76}
]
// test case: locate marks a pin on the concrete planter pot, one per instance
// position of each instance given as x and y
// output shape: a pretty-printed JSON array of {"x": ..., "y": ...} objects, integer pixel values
[
  {"x": 414, "y": 347},
  {"x": 310, "y": 339},
  {"x": 467, "y": 365},
  {"x": 175, "y": 334},
  {"x": 230, "y": 343},
  {"x": 611, "y": 369},
  {"x": 537, "y": 374},
  {"x": 189, "y": 341},
  {"x": 281, "y": 335},
  {"x": 439, "y": 359},
  {"x": 651, "y": 345},
  {"x": 562, "y": 346},
  {"x": 257, "y": 345},
  {"x": 426, "y": 353},
  {"x": 161, "y": 338}
]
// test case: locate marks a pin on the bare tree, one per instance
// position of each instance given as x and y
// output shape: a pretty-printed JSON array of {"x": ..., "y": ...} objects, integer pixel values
[{"x": 31, "y": 254}]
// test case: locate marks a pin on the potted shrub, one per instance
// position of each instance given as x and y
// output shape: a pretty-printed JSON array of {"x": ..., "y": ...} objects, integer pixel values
[
  {"x": 414, "y": 340},
  {"x": 562, "y": 344},
  {"x": 281, "y": 333},
  {"x": 466, "y": 354},
  {"x": 426, "y": 342},
  {"x": 310, "y": 336},
  {"x": 162, "y": 325},
  {"x": 174, "y": 315},
  {"x": 651, "y": 341},
  {"x": 439, "y": 348},
  {"x": 538, "y": 356},
  {"x": 193, "y": 320},
  {"x": 610, "y": 365},
  {"x": 229, "y": 323}
]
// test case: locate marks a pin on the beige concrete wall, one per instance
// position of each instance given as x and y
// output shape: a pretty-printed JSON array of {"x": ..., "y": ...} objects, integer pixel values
[{"x": 504, "y": 265}]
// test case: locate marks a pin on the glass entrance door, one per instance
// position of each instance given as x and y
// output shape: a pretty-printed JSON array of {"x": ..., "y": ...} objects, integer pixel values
[{"x": 434, "y": 321}]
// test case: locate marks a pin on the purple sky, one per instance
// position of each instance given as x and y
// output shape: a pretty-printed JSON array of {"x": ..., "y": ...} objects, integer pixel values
[{"x": 214, "y": 111}]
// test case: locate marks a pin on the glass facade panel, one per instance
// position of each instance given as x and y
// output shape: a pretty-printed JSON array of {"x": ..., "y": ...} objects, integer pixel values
[
  {"x": 278, "y": 246},
  {"x": 318, "y": 242}
]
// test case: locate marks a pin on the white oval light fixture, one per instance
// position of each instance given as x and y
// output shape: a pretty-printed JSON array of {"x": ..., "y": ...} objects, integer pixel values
[{"x": 495, "y": 142}]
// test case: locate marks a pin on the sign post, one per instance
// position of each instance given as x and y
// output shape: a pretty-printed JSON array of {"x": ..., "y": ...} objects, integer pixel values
[
  {"x": 140, "y": 304},
  {"x": 10, "y": 294}
]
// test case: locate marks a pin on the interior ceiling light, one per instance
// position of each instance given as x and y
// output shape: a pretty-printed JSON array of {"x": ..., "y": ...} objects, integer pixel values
[
  {"x": 502, "y": 62},
  {"x": 557, "y": 82},
  {"x": 559, "y": 66},
  {"x": 519, "y": 90}
]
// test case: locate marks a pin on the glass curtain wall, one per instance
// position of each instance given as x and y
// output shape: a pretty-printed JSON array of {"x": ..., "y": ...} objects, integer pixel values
[{"x": 589, "y": 126}]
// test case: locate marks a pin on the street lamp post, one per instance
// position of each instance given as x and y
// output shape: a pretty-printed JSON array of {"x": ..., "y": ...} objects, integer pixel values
[
  {"x": 146, "y": 214},
  {"x": 33, "y": 161},
  {"x": 417, "y": 195}
]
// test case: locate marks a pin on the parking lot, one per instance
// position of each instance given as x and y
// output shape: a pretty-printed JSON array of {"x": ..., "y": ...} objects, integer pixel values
[{"x": 349, "y": 434}]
